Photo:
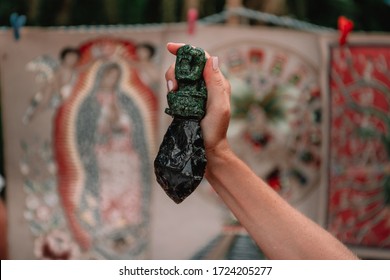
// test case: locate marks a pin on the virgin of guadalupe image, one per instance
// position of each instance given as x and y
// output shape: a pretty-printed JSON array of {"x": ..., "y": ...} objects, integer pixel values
[
  {"x": 120, "y": 190},
  {"x": 108, "y": 155},
  {"x": 104, "y": 178}
]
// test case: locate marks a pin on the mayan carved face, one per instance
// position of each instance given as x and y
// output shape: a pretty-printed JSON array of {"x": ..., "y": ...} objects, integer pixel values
[{"x": 189, "y": 64}]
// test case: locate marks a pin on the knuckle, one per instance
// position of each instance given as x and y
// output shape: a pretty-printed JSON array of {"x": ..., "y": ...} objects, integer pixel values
[
  {"x": 225, "y": 107},
  {"x": 219, "y": 82},
  {"x": 225, "y": 113},
  {"x": 228, "y": 88}
]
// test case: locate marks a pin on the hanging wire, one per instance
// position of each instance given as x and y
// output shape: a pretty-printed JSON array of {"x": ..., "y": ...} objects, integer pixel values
[
  {"x": 221, "y": 17},
  {"x": 264, "y": 17}
]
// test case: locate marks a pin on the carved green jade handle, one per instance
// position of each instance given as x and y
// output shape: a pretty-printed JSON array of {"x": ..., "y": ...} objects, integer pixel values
[{"x": 189, "y": 101}]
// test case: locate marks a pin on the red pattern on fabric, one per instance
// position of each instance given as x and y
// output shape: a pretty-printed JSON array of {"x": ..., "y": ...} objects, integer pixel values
[{"x": 359, "y": 100}]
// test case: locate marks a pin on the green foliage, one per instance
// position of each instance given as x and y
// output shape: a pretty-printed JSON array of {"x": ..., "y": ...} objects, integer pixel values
[
  {"x": 131, "y": 12},
  {"x": 48, "y": 12},
  {"x": 87, "y": 12},
  {"x": 7, "y": 7},
  {"x": 368, "y": 15}
]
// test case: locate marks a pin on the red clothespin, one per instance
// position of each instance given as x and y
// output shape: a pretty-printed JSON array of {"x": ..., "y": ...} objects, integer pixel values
[
  {"x": 345, "y": 26},
  {"x": 192, "y": 16}
]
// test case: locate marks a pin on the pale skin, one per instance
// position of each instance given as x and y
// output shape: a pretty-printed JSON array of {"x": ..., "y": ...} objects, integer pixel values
[{"x": 280, "y": 230}]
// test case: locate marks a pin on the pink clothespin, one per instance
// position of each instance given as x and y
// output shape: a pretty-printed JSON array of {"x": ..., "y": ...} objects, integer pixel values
[
  {"x": 345, "y": 26},
  {"x": 192, "y": 17}
]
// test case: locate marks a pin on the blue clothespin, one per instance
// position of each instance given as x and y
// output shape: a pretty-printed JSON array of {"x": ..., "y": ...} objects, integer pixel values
[{"x": 17, "y": 21}]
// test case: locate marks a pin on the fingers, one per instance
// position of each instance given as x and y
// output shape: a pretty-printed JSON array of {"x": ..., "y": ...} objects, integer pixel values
[
  {"x": 170, "y": 78},
  {"x": 216, "y": 121},
  {"x": 173, "y": 47},
  {"x": 217, "y": 86},
  {"x": 170, "y": 73}
]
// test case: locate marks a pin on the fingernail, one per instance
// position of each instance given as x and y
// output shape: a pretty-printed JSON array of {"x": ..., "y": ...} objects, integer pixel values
[
  {"x": 170, "y": 85},
  {"x": 169, "y": 43},
  {"x": 215, "y": 63}
]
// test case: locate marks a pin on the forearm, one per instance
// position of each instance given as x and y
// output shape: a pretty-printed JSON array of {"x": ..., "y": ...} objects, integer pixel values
[{"x": 279, "y": 230}]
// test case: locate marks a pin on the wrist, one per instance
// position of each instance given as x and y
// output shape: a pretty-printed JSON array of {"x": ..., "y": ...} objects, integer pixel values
[
  {"x": 221, "y": 149},
  {"x": 217, "y": 156}
]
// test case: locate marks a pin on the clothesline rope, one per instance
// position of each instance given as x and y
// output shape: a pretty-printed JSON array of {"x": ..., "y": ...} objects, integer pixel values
[
  {"x": 221, "y": 17},
  {"x": 264, "y": 17}
]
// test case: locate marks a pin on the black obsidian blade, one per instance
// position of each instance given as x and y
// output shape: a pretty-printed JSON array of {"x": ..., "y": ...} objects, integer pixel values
[{"x": 181, "y": 161}]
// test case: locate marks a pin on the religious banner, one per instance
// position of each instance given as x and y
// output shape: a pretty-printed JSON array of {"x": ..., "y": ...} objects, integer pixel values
[
  {"x": 357, "y": 83},
  {"x": 80, "y": 156}
]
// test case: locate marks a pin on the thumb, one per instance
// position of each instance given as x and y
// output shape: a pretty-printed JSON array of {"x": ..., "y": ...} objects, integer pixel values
[
  {"x": 211, "y": 73},
  {"x": 216, "y": 121},
  {"x": 217, "y": 87}
]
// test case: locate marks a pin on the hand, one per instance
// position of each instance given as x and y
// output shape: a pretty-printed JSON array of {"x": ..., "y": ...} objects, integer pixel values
[{"x": 216, "y": 121}]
